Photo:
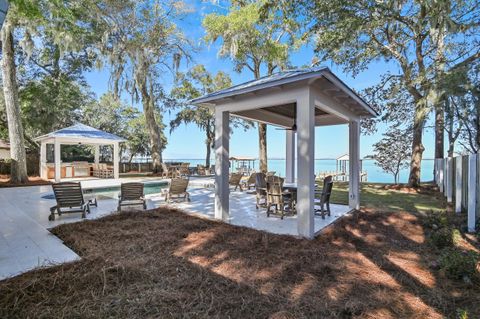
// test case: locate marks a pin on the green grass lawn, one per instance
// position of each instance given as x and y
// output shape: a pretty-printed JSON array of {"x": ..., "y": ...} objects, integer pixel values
[{"x": 378, "y": 196}]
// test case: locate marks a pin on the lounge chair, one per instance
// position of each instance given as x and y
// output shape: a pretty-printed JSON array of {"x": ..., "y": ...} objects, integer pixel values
[
  {"x": 277, "y": 198},
  {"x": 177, "y": 189},
  {"x": 250, "y": 183},
  {"x": 69, "y": 197},
  {"x": 131, "y": 194},
  {"x": 172, "y": 171},
  {"x": 202, "y": 170},
  {"x": 184, "y": 169},
  {"x": 322, "y": 197},
  {"x": 260, "y": 190},
  {"x": 235, "y": 180}
]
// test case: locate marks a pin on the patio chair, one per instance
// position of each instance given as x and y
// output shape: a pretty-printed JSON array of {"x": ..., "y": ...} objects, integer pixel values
[
  {"x": 322, "y": 197},
  {"x": 177, "y": 189},
  {"x": 184, "y": 169},
  {"x": 69, "y": 197},
  {"x": 277, "y": 198},
  {"x": 235, "y": 180},
  {"x": 261, "y": 190},
  {"x": 164, "y": 173},
  {"x": 131, "y": 194},
  {"x": 250, "y": 183},
  {"x": 202, "y": 170}
]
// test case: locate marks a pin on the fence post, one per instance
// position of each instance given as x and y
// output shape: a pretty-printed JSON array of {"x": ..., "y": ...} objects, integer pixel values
[
  {"x": 440, "y": 174},
  {"x": 458, "y": 184},
  {"x": 449, "y": 179},
  {"x": 472, "y": 192}
]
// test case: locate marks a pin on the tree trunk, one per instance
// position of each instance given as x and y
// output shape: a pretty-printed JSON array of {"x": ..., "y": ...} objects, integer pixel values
[
  {"x": 18, "y": 173},
  {"x": 417, "y": 146},
  {"x": 262, "y": 135},
  {"x": 262, "y": 143},
  {"x": 209, "y": 150},
  {"x": 439, "y": 130},
  {"x": 152, "y": 126}
]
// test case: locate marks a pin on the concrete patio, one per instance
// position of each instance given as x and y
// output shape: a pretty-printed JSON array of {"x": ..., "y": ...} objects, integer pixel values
[{"x": 26, "y": 243}]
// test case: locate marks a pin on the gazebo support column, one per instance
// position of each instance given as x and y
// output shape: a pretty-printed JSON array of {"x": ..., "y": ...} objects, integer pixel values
[
  {"x": 43, "y": 160},
  {"x": 97, "y": 154},
  {"x": 58, "y": 164},
  {"x": 354, "y": 165},
  {"x": 222, "y": 147},
  {"x": 116, "y": 160},
  {"x": 305, "y": 164},
  {"x": 290, "y": 156}
]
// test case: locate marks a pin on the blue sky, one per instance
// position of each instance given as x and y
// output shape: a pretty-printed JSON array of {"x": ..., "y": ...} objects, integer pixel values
[{"x": 187, "y": 141}]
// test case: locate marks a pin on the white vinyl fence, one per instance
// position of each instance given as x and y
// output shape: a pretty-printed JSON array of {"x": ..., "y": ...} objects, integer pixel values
[{"x": 458, "y": 178}]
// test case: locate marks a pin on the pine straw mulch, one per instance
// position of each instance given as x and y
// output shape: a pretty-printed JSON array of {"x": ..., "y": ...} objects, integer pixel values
[
  {"x": 32, "y": 181},
  {"x": 164, "y": 263}
]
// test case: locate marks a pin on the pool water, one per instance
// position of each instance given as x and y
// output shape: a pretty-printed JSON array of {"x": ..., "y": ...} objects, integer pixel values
[{"x": 113, "y": 192}]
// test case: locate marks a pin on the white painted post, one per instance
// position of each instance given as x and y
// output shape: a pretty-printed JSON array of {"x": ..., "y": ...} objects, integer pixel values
[
  {"x": 116, "y": 160},
  {"x": 472, "y": 192},
  {"x": 290, "y": 156},
  {"x": 354, "y": 165},
  {"x": 441, "y": 174},
  {"x": 43, "y": 160},
  {"x": 222, "y": 148},
  {"x": 435, "y": 164},
  {"x": 58, "y": 163},
  {"x": 449, "y": 179},
  {"x": 458, "y": 184},
  {"x": 97, "y": 154},
  {"x": 305, "y": 165}
]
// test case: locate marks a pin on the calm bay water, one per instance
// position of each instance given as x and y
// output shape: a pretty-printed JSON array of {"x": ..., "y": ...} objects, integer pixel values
[{"x": 375, "y": 174}]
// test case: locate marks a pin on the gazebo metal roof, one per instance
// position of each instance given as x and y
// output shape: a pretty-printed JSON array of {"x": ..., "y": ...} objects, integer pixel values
[
  {"x": 284, "y": 78},
  {"x": 81, "y": 132}
]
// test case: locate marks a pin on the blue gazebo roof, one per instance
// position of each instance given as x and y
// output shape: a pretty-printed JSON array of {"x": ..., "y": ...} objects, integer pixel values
[{"x": 81, "y": 132}]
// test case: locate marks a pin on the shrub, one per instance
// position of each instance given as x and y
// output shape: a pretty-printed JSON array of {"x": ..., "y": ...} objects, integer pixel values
[
  {"x": 445, "y": 237},
  {"x": 436, "y": 220},
  {"x": 456, "y": 263}
]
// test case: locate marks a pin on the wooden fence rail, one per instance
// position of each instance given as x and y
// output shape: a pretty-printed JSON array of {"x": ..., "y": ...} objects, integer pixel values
[{"x": 458, "y": 178}]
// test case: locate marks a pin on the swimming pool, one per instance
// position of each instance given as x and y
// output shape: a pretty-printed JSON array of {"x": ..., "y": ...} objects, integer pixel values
[{"x": 113, "y": 191}]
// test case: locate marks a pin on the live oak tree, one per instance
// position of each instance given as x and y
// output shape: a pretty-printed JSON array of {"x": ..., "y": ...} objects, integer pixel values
[
  {"x": 425, "y": 39},
  {"x": 197, "y": 82},
  {"x": 24, "y": 16},
  {"x": 140, "y": 41},
  {"x": 257, "y": 37},
  {"x": 115, "y": 116},
  {"x": 392, "y": 152}
]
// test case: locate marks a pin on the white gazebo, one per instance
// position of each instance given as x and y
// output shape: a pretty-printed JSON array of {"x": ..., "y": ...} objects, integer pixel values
[
  {"x": 297, "y": 100},
  {"x": 78, "y": 134}
]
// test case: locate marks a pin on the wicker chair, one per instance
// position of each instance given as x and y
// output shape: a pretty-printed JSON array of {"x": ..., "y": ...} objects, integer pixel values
[
  {"x": 277, "y": 198},
  {"x": 177, "y": 189},
  {"x": 69, "y": 197},
  {"x": 235, "y": 180},
  {"x": 322, "y": 197},
  {"x": 131, "y": 194}
]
